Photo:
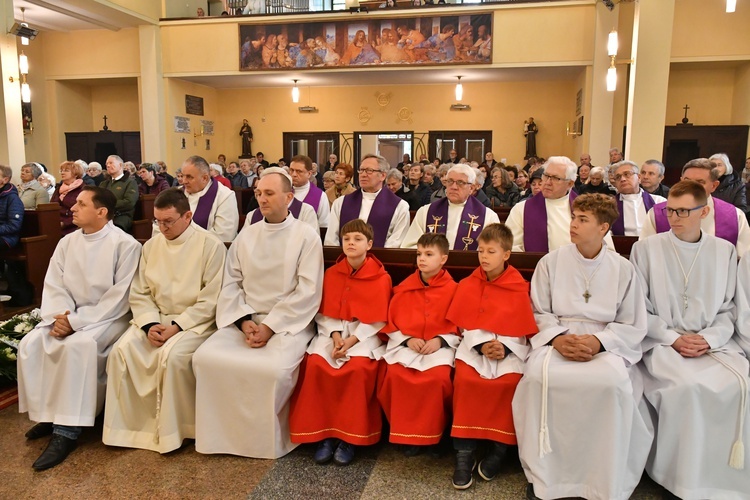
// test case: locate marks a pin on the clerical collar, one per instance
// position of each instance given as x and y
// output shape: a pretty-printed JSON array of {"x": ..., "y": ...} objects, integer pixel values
[
  {"x": 104, "y": 231},
  {"x": 685, "y": 244},
  {"x": 302, "y": 189},
  {"x": 596, "y": 258},
  {"x": 462, "y": 204},
  {"x": 202, "y": 191},
  {"x": 631, "y": 196},
  {"x": 371, "y": 196},
  {"x": 184, "y": 236},
  {"x": 275, "y": 226}
]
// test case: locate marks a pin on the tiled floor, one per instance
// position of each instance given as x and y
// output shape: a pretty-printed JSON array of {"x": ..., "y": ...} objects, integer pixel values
[{"x": 95, "y": 471}]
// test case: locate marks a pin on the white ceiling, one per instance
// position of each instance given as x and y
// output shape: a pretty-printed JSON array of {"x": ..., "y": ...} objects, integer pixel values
[{"x": 71, "y": 15}]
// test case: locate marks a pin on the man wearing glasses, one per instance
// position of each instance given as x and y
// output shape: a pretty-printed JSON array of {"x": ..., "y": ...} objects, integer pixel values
[
  {"x": 150, "y": 400},
  {"x": 633, "y": 203},
  {"x": 695, "y": 376},
  {"x": 384, "y": 211},
  {"x": 459, "y": 216},
  {"x": 724, "y": 220},
  {"x": 542, "y": 223}
]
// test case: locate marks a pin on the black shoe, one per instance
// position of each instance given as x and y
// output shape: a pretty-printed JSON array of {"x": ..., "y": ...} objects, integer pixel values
[
  {"x": 325, "y": 451},
  {"x": 40, "y": 430},
  {"x": 530, "y": 493},
  {"x": 344, "y": 454},
  {"x": 57, "y": 451},
  {"x": 462, "y": 474},
  {"x": 490, "y": 466},
  {"x": 412, "y": 450}
]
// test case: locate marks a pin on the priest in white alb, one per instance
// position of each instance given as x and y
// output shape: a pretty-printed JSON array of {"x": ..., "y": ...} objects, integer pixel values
[
  {"x": 695, "y": 374},
  {"x": 301, "y": 171},
  {"x": 150, "y": 382},
  {"x": 581, "y": 432},
  {"x": 299, "y": 210},
  {"x": 542, "y": 223},
  {"x": 61, "y": 362},
  {"x": 459, "y": 216},
  {"x": 246, "y": 372}
]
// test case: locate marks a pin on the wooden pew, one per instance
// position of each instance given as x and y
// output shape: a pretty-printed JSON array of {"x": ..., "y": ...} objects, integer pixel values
[
  {"x": 144, "y": 208},
  {"x": 40, "y": 233},
  {"x": 243, "y": 198},
  {"x": 502, "y": 213},
  {"x": 623, "y": 244}
]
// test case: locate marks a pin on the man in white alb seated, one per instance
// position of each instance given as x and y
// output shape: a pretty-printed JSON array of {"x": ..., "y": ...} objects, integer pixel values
[
  {"x": 299, "y": 210},
  {"x": 695, "y": 375},
  {"x": 581, "y": 432},
  {"x": 373, "y": 203},
  {"x": 633, "y": 203},
  {"x": 150, "y": 382},
  {"x": 301, "y": 171},
  {"x": 724, "y": 220},
  {"x": 61, "y": 362},
  {"x": 459, "y": 216},
  {"x": 542, "y": 223},
  {"x": 246, "y": 372}
]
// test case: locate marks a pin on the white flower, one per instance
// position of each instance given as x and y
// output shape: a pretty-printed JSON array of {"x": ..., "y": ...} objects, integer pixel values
[
  {"x": 12, "y": 356},
  {"x": 20, "y": 328}
]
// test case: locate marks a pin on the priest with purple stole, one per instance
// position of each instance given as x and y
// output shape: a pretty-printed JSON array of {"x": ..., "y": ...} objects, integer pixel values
[
  {"x": 299, "y": 210},
  {"x": 542, "y": 223},
  {"x": 214, "y": 206},
  {"x": 301, "y": 170},
  {"x": 459, "y": 216},
  {"x": 633, "y": 203},
  {"x": 384, "y": 211},
  {"x": 724, "y": 220}
]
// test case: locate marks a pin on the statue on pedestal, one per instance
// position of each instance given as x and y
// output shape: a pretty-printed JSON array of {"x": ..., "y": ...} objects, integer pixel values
[
  {"x": 247, "y": 137},
  {"x": 530, "y": 130}
]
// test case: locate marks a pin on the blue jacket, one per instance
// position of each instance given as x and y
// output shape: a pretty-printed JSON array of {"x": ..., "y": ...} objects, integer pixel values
[{"x": 11, "y": 215}]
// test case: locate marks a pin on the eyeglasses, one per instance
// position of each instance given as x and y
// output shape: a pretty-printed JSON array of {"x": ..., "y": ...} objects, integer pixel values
[
  {"x": 552, "y": 178},
  {"x": 166, "y": 224},
  {"x": 626, "y": 175},
  {"x": 451, "y": 182},
  {"x": 369, "y": 171},
  {"x": 681, "y": 212}
]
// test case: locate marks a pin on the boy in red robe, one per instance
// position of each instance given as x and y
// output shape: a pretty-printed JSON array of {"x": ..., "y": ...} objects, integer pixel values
[
  {"x": 416, "y": 392},
  {"x": 493, "y": 309},
  {"x": 335, "y": 400}
]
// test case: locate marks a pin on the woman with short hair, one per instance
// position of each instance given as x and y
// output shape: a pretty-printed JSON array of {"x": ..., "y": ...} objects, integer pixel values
[
  {"x": 67, "y": 193},
  {"x": 30, "y": 191}
]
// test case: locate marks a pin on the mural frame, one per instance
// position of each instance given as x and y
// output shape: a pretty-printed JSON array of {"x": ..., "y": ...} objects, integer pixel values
[{"x": 372, "y": 42}]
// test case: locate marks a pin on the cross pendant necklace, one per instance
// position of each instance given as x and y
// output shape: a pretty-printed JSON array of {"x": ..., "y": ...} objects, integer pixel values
[
  {"x": 587, "y": 279},
  {"x": 686, "y": 276}
]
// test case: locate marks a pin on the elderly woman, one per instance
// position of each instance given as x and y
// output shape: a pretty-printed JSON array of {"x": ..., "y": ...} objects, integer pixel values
[
  {"x": 328, "y": 180},
  {"x": 178, "y": 179},
  {"x": 153, "y": 183},
  {"x": 522, "y": 181},
  {"x": 731, "y": 188},
  {"x": 342, "y": 182},
  {"x": 30, "y": 191},
  {"x": 503, "y": 192},
  {"x": 441, "y": 174},
  {"x": 596, "y": 183},
  {"x": 217, "y": 174},
  {"x": 67, "y": 192},
  {"x": 95, "y": 172},
  {"x": 48, "y": 182}
]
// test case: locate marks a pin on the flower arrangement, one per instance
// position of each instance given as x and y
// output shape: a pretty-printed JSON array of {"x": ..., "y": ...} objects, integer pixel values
[{"x": 11, "y": 333}]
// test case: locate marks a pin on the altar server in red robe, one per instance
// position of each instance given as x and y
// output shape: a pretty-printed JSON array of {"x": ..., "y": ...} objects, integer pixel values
[
  {"x": 417, "y": 391},
  {"x": 495, "y": 315},
  {"x": 335, "y": 402}
]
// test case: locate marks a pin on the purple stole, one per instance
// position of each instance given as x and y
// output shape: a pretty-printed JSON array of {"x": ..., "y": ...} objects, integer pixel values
[
  {"x": 535, "y": 218},
  {"x": 380, "y": 216},
  {"x": 472, "y": 216},
  {"x": 294, "y": 209},
  {"x": 313, "y": 196},
  {"x": 725, "y": 220},
  {"x": 618, "y": 228},
  {"x": 205, "y": 203}
]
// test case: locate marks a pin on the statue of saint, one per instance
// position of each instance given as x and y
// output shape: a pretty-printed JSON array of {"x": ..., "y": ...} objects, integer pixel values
[
  {"x": 530, "y": 130},
  {"x": 247, "y": 137}
]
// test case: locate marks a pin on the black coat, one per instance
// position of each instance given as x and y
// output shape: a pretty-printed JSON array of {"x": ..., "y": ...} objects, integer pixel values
[{"x": 732, "y": 190}]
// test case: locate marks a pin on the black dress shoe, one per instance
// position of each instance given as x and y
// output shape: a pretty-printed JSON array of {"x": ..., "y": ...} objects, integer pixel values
[
  {"x": 40, "y": 430},
  {"x": 530, "y": 492},
  {"x": 57, "y": 451}
]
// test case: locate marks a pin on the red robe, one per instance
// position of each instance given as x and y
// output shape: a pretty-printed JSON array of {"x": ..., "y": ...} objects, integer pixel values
[
  {"x": 482, "y": 407},
  {"x": 417, "y": 403},
  {"x": 341, "y": 403}
]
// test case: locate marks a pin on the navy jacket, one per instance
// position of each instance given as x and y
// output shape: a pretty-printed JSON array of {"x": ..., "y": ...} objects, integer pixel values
[{"x": 11, "y": 215}]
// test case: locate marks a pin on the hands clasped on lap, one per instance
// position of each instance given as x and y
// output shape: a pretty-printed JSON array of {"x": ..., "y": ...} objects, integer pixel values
[
  {"x": 577, "y": 347},
  {"x": 256, "y": 335}
]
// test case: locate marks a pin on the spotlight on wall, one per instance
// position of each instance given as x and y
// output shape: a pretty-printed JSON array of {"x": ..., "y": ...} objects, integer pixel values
[
  {"x": 731, "y": 6},
  {"x": 459, "y": 90},
  {"x": 295, "y": 93},
  {"x": 460, "y": 107},
  {"x": 308, "y": 109}
]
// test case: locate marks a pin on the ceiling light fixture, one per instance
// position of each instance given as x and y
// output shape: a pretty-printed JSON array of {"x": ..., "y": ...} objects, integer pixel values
[
  {"x": 731, "y": 6},
  {"x": 459, "y": 90},
  {"x": 295, "y": 93}
]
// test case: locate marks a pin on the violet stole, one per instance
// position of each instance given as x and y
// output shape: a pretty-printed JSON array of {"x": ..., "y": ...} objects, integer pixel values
[
  {"x": 535, "y": 216},
  {"x": 205, "y": 203},
  {"x": 380, "y": 216},
  {"x": 313, "y": 196},
  {"x": 618, "y": 228},
  {"x": 294, "y": 208},
  {"x": 726, "y": 226},
  {"x": 473, "y": 206}
]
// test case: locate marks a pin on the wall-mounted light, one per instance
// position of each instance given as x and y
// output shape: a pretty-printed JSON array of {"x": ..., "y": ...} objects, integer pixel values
[
  {"x": 459, "y": 90},
  {"x": 295, "y": 93},
  {"x": 23, "y": 64},
  {"x": 731, "y": 6},
  {"x": 25, "y": 92}
]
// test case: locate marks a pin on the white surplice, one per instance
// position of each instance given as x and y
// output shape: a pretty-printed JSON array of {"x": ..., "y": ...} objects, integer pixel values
[
  {"x": 151, "y": 391},
  {"x": 273, "y": 273},
  {"x": 396, "y": 230},
  {"x": 558, "y": 224},
  {"x": 322, "y": 211},
  {"x": 634, "y": 211},
  {"x": 418, "y": 225},
  {"x": 696, "y": 402},
  {"x": 368, "y": 345},
  {"x": 742, "y": 303},
  {"x": 306, "y": 215},
  {"x": 224, "y": 218},
  {"x": 396, "y": 351},
  {"x": 63, "y": 380},
  {"x": 492, "y": 368},
  {"x": 708, "y": 226},
  {"x": 598, "y": 437}
]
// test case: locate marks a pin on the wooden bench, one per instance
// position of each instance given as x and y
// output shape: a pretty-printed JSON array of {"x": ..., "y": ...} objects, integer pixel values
[
  {"x": 623, "y": 244},
  {"x": 40, "y": 233},
  {"x": 243, "y": 198}
]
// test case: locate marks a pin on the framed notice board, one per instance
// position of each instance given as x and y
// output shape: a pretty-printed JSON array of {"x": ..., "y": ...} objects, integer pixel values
[{"x": 193, "y": 105}]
